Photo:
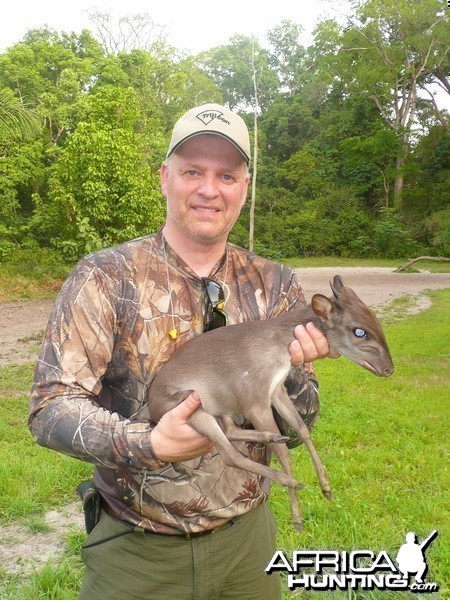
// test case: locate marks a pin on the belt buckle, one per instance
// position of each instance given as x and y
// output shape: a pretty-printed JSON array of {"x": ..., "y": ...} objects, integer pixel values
[{"x": 188, "y": 535}]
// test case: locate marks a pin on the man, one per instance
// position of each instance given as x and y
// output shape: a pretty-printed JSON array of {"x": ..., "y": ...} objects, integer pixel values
[{"x": 119, "y": 317}]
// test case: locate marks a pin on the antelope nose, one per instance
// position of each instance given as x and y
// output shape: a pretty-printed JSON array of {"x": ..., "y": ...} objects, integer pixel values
[{"x": 388, "y": 371}]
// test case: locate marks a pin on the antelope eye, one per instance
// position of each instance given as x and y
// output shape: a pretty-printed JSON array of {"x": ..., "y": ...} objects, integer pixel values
[{"x": 360, "y": 333}]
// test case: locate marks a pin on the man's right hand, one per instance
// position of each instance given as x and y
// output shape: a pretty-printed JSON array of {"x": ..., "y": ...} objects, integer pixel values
[{"x": 173, "y": 439}]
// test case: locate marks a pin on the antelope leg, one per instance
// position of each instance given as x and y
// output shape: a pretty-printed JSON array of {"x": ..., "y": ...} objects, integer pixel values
[
  {"x": 208, "y": 426},
  {"x": 265, "y": 420},
  {"x": 236, "y": 433},
  {"x": 283, "y": 405}
]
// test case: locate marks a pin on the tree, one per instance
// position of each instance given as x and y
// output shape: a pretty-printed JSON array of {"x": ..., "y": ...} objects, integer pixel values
[
  {"x": 127, "y": 33},
  {"x": 15, "y": 119},
  {"x": 391, "y": 49},
  {"x": 19, "y": 126},
  {"x": 51, "y": 72},
  {"x": 232, "y": 67},
  {"x": 251, "y": 233},
  {"x": 247, "y": 81},
  {"x": 101, "y": 190},
  {"x": 287, "y": 55}
]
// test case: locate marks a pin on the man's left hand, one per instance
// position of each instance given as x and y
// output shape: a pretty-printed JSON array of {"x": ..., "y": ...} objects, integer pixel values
[{"x": 309, "y": 345}]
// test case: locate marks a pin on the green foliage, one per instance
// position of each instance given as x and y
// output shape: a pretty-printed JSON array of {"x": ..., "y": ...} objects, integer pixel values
[
  {"x": 15, "y": 119},
  {"x": 35, "y": 263},
  {"x": 335, "y": 137},
  {"x": 368, "y": 163},
  {"x": 232, "y": 67},
  {"x": 438, "y": 230},
  {"x": 101, "y": 191},
  {"x": 31, "y": 273},
  {"x": 391, "y": 238},
  {"x": 287, "y": 54},
  {"x": 427, "y": 192}
]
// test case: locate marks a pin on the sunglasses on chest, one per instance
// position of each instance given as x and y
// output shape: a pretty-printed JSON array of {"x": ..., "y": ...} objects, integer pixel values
[{"x": 214, "y": 315}]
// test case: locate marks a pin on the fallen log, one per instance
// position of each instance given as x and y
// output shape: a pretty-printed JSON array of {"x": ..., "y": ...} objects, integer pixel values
[{"x": 414, "y": 260}]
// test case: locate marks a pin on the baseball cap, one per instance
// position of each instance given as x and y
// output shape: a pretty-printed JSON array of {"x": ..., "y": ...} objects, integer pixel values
[{"x": 214, "y": 119}]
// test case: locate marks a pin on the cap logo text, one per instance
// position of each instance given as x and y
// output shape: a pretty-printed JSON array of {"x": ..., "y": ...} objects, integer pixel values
[{"x": 207, "y": 116}]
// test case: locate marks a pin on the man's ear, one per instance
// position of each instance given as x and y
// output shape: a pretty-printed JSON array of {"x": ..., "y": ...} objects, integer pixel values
[
  {"x": 244, "y": 198},
  {"x": 164, "y": 173},
  {"x": 322, "y": 306}
]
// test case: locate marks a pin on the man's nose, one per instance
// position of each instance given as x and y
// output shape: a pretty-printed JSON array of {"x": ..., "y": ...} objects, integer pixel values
[{"x": 208, "y": 186}]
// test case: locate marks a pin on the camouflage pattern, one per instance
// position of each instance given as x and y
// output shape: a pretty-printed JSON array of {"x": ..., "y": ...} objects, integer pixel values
[{"x": 107, "y": 337}]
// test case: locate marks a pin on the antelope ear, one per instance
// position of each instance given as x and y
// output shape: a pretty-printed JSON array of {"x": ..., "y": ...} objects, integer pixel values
[
  {"x": 322, "y": 306},
  {"x": 337, "y": 285}
]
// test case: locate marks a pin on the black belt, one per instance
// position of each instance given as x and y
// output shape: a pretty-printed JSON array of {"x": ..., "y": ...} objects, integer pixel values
[{"x": 188, "y": 535}]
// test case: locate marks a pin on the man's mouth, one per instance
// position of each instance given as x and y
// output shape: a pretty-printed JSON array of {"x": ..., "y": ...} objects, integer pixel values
[{"x": 205, "y": 209}]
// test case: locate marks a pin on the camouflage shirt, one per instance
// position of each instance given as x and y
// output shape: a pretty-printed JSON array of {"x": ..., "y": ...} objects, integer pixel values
[{"x": 107, "y": 337}]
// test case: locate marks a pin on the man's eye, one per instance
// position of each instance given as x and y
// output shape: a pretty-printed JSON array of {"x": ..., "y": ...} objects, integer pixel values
[{"x": 227, "y": 178}]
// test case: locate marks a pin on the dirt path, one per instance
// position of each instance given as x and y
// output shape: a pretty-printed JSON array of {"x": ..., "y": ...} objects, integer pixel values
[
  {"x": 22, "y": 323},
  {"x": 377, "y": 286},
  {"x": 21, "y": 550},
  {"x": 21, "y": 329}
]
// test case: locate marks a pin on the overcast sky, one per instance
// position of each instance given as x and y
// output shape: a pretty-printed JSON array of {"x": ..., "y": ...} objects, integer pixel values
[{"x": 192, "y": 25}]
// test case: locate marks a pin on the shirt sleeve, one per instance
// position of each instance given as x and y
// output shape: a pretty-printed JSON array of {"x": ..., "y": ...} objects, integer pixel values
[{"x": 65, "y": 412}]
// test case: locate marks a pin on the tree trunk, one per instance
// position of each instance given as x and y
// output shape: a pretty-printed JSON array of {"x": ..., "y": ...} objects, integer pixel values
[
  {"x": 399, "y": 171},
  {"x": 251, "y": 232},
  {"x": 414, "y": 260}
]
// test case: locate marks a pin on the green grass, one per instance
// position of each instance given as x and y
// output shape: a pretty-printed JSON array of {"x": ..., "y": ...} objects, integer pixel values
[
  {"x": 52, "y": 582},
  {"x": 31, "y": 274},
  {"x": 385, "y": 445},
  {"x": 383, "y": 441},
  {"x": 32, "y": 478}
]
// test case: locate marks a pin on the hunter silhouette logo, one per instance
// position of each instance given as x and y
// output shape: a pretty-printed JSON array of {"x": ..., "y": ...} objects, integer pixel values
[
  {"x": 411, "y": 557},
  {"x": 357, "y": 570},
  {"x": 207, "y": 116}
]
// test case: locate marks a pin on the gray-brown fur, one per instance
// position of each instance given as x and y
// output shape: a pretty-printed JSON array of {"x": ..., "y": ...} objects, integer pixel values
[{"x": 241, "y": 369}]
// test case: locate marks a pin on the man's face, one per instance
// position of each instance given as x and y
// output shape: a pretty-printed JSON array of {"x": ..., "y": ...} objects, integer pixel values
[{"x": 205, "y": 184}]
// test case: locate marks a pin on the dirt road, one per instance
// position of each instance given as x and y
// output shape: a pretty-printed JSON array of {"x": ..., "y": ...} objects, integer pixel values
[
  {"x": 22, "y": 323},
  {"x": 377, "y": 286}
]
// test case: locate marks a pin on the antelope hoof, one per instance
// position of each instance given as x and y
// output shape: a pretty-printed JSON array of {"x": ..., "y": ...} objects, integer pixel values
[
  {"x": 328, "y": 495},
  {"x": 298, "y": 526},
  {"x": 279, "y": 439},
  {"x": 300, "y": 486}
]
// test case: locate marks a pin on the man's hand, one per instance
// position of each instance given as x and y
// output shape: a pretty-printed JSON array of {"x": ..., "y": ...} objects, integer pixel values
[
  {"x": 174, "y": 440},
  {"x": 309, "y": 344}
]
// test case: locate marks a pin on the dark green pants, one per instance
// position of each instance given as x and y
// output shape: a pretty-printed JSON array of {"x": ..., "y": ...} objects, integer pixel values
[{"x": 226, "y": 564}]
